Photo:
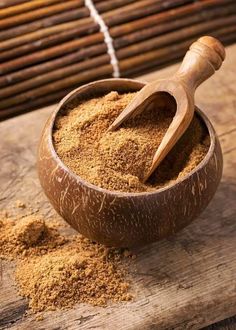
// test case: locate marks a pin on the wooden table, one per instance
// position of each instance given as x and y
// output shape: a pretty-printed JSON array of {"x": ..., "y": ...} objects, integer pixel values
[{"x": 185, "y": 282}]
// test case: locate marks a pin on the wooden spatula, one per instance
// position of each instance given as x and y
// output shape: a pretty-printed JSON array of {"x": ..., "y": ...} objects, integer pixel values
[{"x": 200, "y": 62}]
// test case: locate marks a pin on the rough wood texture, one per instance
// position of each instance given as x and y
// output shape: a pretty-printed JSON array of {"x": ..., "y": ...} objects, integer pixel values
[{"x": 185, "y": 282}]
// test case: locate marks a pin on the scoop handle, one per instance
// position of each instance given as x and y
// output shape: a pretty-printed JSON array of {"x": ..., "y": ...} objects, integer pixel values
[{"x": 203, "y": 58}]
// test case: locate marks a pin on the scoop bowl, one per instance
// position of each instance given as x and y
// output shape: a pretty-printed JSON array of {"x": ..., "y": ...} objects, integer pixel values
[{"x": 125, "y": 219}]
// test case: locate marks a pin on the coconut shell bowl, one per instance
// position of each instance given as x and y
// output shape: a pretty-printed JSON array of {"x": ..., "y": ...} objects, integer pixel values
[{"x": 125, "y": 219}]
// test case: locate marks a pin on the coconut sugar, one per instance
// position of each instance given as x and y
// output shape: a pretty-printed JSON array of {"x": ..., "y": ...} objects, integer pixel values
[
  {"x": 27, "y": 236},
  {"x": 120, "y": 159},
  {"x": 78, "y": 272},
  {"x": 56, "y": 272}
]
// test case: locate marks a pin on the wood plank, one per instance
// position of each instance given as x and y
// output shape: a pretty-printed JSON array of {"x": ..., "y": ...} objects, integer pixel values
[
  {"x": 184, "y": 282},
  {"x": 229, "y": 324}
]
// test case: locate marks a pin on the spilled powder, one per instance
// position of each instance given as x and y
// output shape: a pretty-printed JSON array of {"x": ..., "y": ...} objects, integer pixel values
[
  {"x": 56, "y": 272},
  {"x": 79, "y": 272},
  {"x": 120, "y": 159},
  {"x": 27, "y": 236}
]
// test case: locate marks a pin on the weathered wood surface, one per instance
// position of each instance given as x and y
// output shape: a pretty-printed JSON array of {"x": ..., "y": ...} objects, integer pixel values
[
  {"x": 185, "y": 282},
  {"x": 228, "y": 324}
]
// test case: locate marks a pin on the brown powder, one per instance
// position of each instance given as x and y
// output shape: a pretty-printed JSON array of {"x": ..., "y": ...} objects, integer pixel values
[
  {"x": 79, "y": 272},
  {"x": 20, "y": 204},
  {"x": 119, "y": 160},
  {"x": 27, "y": 236},
  {"x": 56, "y": 272}
]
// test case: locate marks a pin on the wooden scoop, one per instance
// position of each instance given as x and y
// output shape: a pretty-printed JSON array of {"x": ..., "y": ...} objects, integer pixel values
[{"x": 200, "y": 62}]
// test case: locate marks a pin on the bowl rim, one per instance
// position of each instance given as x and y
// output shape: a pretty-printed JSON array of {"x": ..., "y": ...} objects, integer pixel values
[{"x": 115, "y": 193}]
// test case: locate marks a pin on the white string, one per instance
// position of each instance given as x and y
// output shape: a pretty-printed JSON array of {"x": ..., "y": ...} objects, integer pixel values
[{"x": 107, "y": 38}]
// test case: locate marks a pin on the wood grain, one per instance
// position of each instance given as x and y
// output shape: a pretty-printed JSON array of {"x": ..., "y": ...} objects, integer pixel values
[{"x": 184, "y": 282}]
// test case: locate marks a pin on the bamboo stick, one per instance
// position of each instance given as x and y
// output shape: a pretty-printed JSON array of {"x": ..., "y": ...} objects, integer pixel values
[
  {"x": 165, "y": 27},
  {"x": 112, "y": 18},
  {"x": 45, "y": 67},
  {"x": 137, "y": 48},
  {"x": 109, "y": 5},
  {"x": 51, "y": 41},
  {"x": 105, "y": 70},
  {"x": 151, "y": 59},
  {"x": 37, "y": 14},
  {"x": 175, "y": 36},
  {"x": 167, "y": 16},
  {"x": 53, "y": 52},
  {"x": 50, "y": 52},
  {"x": 142, "y": 4},
  {"x": 31, "y": 105},
  {"x": 65, "y": 60},
  {"x": 138, "y": 63},
  {"x": 27, "y": 6},
  {"x": 66, "y": 27},
  {"x": 148, "y": 44},
  {"x": 115, "y": 31},
  {"x": 125, "y": 65},
  {"x": 46, "y": 22},
  {"x": 44, "y": 32},
  {"x": 68, "y": 16},
  {"x": 7, "y": 3},
  {"x": 48, "y": 77},
  {"x": 71, "y": 33}
]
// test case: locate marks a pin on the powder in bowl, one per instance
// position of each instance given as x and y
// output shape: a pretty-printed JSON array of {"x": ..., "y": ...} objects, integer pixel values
[{"x": 118, "y": 160}]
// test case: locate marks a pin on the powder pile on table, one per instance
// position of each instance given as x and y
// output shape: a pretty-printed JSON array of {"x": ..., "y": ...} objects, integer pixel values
[
  {"x": 55, "y": 271},
  {"x": 119, "y": 160},
  {"x": 27, "y": 236}
]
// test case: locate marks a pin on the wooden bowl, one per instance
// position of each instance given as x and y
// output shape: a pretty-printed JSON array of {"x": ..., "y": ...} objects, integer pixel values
[{"x": 117, "y": 218}]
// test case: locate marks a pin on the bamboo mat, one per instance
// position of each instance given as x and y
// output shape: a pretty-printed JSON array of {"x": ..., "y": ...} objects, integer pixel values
[{"x": 49, "y": 47}]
